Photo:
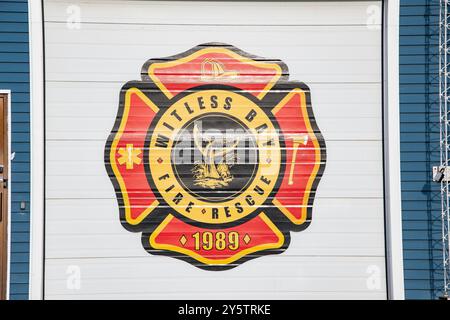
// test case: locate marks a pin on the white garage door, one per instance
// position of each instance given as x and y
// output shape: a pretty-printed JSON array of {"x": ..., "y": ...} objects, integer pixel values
[{"x": 333, "y": 248}]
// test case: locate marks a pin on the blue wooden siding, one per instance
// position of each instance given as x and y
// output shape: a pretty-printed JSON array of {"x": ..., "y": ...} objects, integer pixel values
[
  {"x": 419, "y": 127},
  {"x": 14, "y": 75}
]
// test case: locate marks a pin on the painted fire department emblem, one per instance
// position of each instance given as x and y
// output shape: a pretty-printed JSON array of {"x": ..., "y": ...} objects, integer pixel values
[{"x": 215, "y": 156}]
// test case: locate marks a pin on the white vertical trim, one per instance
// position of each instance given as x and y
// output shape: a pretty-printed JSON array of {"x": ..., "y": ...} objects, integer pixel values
[
  {"x": 394, "y": 239},
  {"x": 36, "y": 150},
  {"x": 8, "y": 213}
]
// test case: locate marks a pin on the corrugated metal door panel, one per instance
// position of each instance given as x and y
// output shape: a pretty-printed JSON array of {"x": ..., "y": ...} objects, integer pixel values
[
  {"x": 215, "y": 13},
  {"x": 340, "y": 255},
  {"x": 83, "y": 63}
]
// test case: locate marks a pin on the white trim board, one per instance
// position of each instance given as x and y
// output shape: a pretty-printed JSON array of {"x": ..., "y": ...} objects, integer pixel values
[
  {"x": 393, "y": 207},
  {"x": 36, "y": 150}
]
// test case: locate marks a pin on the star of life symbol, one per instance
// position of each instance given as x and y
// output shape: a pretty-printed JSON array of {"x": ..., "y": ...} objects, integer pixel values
[
  {"x": 215, "y": 156},
  {"x": 129, "y": 156}
]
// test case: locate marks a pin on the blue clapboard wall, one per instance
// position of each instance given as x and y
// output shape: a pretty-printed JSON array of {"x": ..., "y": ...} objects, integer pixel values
[
  {"x": 14, "y": 75},
  {"x": 419, "y": 127}
]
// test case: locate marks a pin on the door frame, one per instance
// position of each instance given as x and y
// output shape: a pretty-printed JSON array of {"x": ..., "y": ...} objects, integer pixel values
[
  {"x": 8, "y": 190},
  {"x": 391, "y": 149}
]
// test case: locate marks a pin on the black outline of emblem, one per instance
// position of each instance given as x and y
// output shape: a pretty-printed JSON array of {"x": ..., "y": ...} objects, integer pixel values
[{"x": 281, "y": 88}]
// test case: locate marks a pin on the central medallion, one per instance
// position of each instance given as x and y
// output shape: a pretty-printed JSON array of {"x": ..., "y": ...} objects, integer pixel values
[{"x": 218, "y": 156}]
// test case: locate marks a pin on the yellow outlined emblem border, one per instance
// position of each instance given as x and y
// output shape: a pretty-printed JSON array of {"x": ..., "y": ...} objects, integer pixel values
[{"x": 277, "y": 91}]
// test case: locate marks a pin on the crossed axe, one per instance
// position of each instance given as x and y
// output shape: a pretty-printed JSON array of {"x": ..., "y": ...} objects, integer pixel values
[{"x": 297, "y": 140}]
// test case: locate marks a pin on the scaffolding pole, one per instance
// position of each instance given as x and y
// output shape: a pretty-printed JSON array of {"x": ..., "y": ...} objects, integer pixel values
[{"x": 444, "y": 138}]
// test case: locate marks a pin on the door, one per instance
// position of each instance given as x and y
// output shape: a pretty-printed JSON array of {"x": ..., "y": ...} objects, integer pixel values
[
  {"x": 3, "y": 194},
  {"x": 103, "y": 242}
]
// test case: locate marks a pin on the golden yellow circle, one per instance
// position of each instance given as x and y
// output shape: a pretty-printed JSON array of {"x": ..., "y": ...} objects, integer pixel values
[{"x": 227, "y": 103}]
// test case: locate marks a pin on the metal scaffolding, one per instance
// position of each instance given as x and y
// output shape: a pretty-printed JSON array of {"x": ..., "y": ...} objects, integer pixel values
[{"x": 444, "y": 98}]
